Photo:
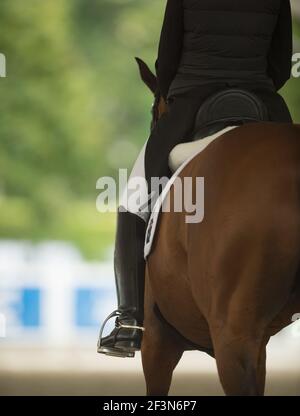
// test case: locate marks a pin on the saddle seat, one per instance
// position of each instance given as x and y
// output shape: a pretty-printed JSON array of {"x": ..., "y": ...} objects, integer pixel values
[{"x": 218, "y": 114}]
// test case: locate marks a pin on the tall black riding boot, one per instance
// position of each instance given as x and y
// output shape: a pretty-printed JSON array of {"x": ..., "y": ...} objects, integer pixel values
[{"x": 129, "y": 265}]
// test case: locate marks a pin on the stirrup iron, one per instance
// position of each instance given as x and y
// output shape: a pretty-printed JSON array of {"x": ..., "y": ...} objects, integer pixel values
[
  {"x": 114, "y": 351},
  {"x": 108, "y": 351}
]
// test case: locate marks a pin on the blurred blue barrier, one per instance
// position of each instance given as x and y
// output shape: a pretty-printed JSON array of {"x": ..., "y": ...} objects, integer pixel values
[
  {"x": 29, "y": 310},
  {"x": 49, "y": 294},
  {"x": 91, "y": 306}
]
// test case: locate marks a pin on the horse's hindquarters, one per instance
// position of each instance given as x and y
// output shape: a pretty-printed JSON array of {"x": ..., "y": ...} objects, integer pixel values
[{"x": 226, "y": 280}]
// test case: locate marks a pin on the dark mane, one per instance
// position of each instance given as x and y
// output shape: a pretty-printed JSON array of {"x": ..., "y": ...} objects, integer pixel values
[{"x": 154, "y": 110}]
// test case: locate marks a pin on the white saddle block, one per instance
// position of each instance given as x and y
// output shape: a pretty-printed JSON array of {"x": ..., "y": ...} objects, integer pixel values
[{"x": 183, "y": 151}]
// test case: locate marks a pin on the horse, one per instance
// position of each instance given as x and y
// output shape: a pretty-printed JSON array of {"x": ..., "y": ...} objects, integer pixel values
[{"x": 226, "y": 285}]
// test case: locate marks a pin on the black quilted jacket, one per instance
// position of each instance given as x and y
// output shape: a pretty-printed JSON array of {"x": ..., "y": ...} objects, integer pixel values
[{"x": 224, "y": 40}]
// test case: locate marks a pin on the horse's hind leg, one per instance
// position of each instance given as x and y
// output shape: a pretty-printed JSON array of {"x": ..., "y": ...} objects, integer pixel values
[
  {"x": 160, "y": 356},
  {"x": 241, "y": 361},
  {"x": 261, "y": 371},
  {"x": 161, "y": 350}
]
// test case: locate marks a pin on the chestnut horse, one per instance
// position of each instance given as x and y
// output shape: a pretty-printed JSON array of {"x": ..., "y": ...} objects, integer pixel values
[{"x": 227, "y": 284}]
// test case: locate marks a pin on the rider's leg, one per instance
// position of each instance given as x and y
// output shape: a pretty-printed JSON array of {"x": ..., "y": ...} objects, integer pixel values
[{"x": 129, "y": 267}]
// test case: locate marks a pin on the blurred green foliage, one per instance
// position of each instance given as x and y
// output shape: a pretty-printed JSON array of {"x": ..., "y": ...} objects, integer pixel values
[{"x": 73, "y": 109}]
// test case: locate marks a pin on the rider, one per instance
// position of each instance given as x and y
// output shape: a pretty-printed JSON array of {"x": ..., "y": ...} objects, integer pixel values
[{"x": 205, "y": 46}]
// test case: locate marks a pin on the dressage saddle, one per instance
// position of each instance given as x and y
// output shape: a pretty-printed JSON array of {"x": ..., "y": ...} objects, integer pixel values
[
  {"x": 230, "y": 107},
  {"x": 217, "y": 115}
]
